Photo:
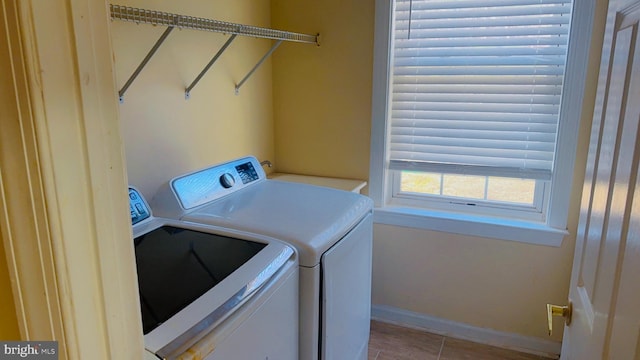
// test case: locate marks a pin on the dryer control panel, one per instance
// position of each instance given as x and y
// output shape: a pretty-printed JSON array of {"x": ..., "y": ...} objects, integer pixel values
[
  {"x": 212, "y": 183},
  {"x": 247, "y": 172}
]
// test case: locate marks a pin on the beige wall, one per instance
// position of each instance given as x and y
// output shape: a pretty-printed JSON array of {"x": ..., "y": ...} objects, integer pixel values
[
  {"x": 166, "y": 135},
  {"x": 322, "y": 95},
  {"x": 483, "y": 282},
  {"x": 322, "y": 107}
]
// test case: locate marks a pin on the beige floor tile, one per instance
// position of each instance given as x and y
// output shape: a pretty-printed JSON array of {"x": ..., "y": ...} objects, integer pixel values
[
  {"x": 400, "y": 343},
  {"x": 455, "y": 349}
]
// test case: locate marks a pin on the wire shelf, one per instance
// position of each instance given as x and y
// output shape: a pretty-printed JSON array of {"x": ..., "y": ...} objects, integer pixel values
[{"x": 153, "y": 17}]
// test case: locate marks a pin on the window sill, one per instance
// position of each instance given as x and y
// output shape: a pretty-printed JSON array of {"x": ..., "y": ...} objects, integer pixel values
[{"x": 511, "y": 230}]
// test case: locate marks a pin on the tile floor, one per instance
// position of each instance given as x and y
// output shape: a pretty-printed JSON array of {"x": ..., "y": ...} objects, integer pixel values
[{"x": 395, "y": 342}]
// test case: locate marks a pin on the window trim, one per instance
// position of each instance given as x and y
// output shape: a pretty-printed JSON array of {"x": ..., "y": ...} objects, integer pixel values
[
  {"x": 550, "y": 232},
  {"x": 464, "y": 224}
]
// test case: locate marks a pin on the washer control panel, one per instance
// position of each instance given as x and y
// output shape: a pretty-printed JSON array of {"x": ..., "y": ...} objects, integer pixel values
[
  {"x": 208, "y": 184},
  {"x": 137, "y": 205}
]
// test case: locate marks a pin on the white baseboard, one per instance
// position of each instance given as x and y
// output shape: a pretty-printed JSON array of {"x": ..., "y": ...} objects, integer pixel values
[{"x": 528, "y": 344}]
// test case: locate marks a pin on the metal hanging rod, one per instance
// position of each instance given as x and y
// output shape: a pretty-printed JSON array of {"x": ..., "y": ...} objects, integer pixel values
[{"x": 154, "y": 17}]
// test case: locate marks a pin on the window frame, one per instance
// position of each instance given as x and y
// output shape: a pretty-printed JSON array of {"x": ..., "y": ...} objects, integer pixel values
[
  {"x": 547, "y": 231},
  {"x": 495, "y": 208}
]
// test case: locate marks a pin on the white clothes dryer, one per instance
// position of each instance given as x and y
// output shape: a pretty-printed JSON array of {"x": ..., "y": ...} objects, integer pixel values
[{"x": 330, "y": 229}]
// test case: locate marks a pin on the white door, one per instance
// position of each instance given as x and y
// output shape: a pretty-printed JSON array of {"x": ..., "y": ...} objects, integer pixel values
[{"x": 605, "y": 288}]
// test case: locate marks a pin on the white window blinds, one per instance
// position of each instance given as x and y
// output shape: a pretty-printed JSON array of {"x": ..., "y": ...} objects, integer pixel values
[{"x": 476, "y": 85}]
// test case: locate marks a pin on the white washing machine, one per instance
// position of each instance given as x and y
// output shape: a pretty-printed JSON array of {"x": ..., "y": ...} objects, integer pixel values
[
  {"x": 330, "y": 229},
  {"x": 212, "y": 293}
]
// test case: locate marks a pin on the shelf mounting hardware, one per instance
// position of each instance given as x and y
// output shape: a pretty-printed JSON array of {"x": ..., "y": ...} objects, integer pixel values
[
  {"x": 153, "y": 17},
  {"x": 273, "y": 48},
  {"x": 144, "y": 62},
  {"x": 187, "y": 92}
]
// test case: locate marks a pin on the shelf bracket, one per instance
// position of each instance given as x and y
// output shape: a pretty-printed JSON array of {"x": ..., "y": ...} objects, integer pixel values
[
  {"x": 273, "y": 48},
  {"x": 144, "y": 62},
  {"x": 187, "y": 92}
]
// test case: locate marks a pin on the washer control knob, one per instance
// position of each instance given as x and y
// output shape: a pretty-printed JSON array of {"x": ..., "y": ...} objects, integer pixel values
[{"x": 227, "y": 180}]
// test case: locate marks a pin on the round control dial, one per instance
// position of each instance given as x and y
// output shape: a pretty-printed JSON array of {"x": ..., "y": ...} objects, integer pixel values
[{"x": 227, "y": 180}]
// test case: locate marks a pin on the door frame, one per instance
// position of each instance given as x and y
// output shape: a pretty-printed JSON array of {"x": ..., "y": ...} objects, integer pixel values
[{"x": 63, "y": 183}]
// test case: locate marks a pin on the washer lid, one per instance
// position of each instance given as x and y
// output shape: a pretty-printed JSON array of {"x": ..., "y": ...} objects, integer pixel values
[
  {"x": 190, "y": 281},
  {"x": 311, "y": 218}
]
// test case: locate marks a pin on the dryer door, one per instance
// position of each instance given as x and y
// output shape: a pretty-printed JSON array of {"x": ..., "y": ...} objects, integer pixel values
[{"x": 346, "y": 289}]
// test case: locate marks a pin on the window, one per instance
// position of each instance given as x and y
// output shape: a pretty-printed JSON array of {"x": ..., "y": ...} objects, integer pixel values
[{"x": 474, "y": 115}]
